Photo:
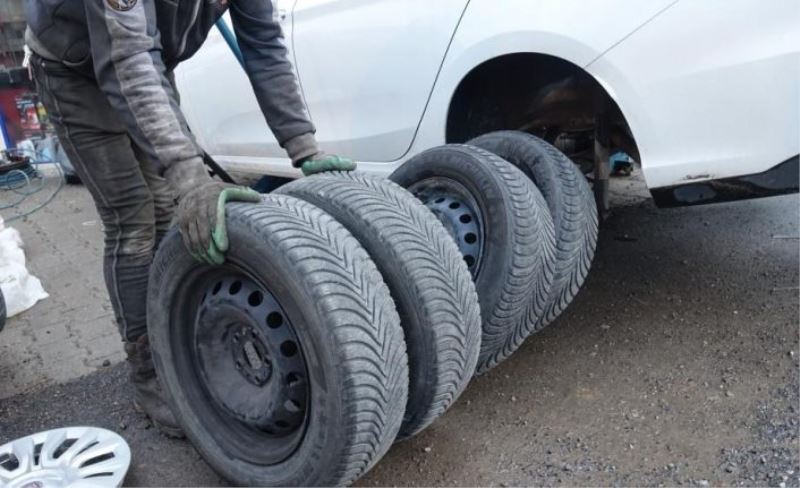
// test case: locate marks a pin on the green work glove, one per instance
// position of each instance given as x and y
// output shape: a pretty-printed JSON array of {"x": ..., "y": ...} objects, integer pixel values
[
  {"x": 322, "y": 162},
  {"x": 201, "y": 218}
]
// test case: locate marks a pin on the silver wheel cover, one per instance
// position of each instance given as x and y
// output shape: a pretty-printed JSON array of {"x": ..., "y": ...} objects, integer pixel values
[{"x": 95, "y": 458}]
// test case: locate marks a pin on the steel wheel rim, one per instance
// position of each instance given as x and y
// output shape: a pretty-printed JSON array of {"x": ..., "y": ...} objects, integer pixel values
[
  {"x": 243, "y": 362},
  {"x": 73, "y": 456},
  {"x": 459, "y": 212}
]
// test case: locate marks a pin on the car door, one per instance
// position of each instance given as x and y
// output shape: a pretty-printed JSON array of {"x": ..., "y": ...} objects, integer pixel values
[
  {"x": 367, "y": 68},
  {"x": 219, "y": 103}
]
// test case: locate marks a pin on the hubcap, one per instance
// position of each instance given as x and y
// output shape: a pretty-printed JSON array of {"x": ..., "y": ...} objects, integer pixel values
[
  {"x": 74, "y": 456},
  {"x": 455, "y": 207}
]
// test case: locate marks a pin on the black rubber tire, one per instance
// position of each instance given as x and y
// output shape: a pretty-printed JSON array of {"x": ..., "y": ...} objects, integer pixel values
[
  {"x": 429, "y": 282},
  {"x": 571, "y": 203},
  {"x": 520, "y": 244},
  {"x": 349, "y": 334},
  {"x": 2, "y": 311}
]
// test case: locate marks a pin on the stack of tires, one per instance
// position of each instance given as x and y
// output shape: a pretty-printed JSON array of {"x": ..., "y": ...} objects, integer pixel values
[{"x": 352, "y": 311}]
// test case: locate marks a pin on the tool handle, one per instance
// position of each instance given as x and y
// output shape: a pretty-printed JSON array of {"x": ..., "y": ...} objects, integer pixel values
[{"x": 230, "y": 40}]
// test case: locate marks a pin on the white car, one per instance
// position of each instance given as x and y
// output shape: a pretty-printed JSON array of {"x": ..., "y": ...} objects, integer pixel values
[{"x": 704, "y": 94}]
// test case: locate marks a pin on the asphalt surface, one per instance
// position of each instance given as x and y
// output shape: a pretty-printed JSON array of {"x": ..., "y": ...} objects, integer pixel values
[{"x": 677, "y": 364}]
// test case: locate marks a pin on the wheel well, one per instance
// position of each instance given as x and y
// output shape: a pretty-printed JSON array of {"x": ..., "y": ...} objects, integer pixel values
[{"x": 541, "y": 94}]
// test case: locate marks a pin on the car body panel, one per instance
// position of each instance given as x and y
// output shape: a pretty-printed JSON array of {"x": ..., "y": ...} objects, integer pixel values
[
  {"x": 367, "y": 68},
  {"x": 709, "y": 89},
  {"x": 383, "y": 125},
  {"x": 710, "y": 92}
]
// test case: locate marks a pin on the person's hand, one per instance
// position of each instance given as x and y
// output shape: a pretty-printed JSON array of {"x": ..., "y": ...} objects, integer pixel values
[
  {"x": 322, "y": 162},
  {"x": 201, "y": 218}
]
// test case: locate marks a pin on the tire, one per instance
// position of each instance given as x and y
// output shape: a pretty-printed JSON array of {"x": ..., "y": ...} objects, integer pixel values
[
  {"x": 326, "y": 291},
  {"x": 571, "y": 204},
  {"x": 427, "y": 277},
  {"x": 2, "y": 311},
  {"x": 515, "y": 244}
]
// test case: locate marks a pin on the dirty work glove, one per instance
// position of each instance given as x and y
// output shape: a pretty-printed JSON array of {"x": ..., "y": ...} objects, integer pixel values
[
  {"x": 201, "y": 218},
  {"x": 322, "y": 162}
]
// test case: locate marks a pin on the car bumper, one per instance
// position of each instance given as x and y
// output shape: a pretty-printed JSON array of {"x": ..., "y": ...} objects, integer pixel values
[{"x": 778, "y": 180}]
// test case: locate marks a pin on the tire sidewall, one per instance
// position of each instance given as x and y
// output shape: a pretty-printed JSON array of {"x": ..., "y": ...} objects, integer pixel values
[
  {"x": 322, "y": 440},
  {"x": 421, "y": 311},
  {"x": 491, "y": 199},
  {"x": 526, "y": 153},
  {"x": 419, "y": 337},
  {"x": 570, "y": 201}
]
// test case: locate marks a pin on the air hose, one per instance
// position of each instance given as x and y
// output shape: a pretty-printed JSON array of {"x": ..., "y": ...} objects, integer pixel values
[{"x": 23, "y": 178}]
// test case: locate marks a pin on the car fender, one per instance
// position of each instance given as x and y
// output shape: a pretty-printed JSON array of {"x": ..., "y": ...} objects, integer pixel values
[{"x": 561, "y": 29}]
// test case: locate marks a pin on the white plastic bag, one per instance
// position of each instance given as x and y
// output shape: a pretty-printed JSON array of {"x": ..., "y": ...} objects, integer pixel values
[{"x": 20, "y": 289}]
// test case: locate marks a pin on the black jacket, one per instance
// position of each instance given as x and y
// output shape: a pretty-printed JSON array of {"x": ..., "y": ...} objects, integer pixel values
[{"x": 129, "y": 46}]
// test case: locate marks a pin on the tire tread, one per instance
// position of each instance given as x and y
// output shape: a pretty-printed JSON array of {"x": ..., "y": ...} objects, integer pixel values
[
  {"x": 527, "y": 272},
  {"x": 430, "y": 264},
  {"x": 572, "y": 206},
  {"x": 374, "y": 357}
]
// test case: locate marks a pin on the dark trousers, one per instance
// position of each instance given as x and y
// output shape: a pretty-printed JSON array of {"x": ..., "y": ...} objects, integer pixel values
[{"x": 134, "y": 202}]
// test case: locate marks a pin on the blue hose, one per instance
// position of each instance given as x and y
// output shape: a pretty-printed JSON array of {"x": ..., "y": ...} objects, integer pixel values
[{"x": 230, "y": 39}]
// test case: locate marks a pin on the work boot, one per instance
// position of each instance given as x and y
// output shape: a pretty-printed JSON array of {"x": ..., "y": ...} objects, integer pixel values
[{"x": 148, "y": 396}]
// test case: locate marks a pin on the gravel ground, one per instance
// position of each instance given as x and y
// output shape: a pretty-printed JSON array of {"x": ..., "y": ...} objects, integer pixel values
[{"x": 676, "y": 365}]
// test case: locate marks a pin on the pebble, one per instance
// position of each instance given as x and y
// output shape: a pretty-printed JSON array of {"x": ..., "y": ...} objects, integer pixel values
[
  {"x": 106, "y": 363},
  {"x": 703, "y": 483},
  {"x": 428, "y": 449}
]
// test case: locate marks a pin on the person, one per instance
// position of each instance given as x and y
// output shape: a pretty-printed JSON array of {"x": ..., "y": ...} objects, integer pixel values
[{"x": 103, "y": 69}]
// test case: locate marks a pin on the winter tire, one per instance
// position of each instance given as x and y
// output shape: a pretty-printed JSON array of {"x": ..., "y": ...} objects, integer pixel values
[
  {"x": 427, "y": 277},
  {"x": 571, "y": 204},
  {"x": 286, "y": 365},
  {"x": 2, "y": 311},
  {"x": 501, "y": 224}
]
